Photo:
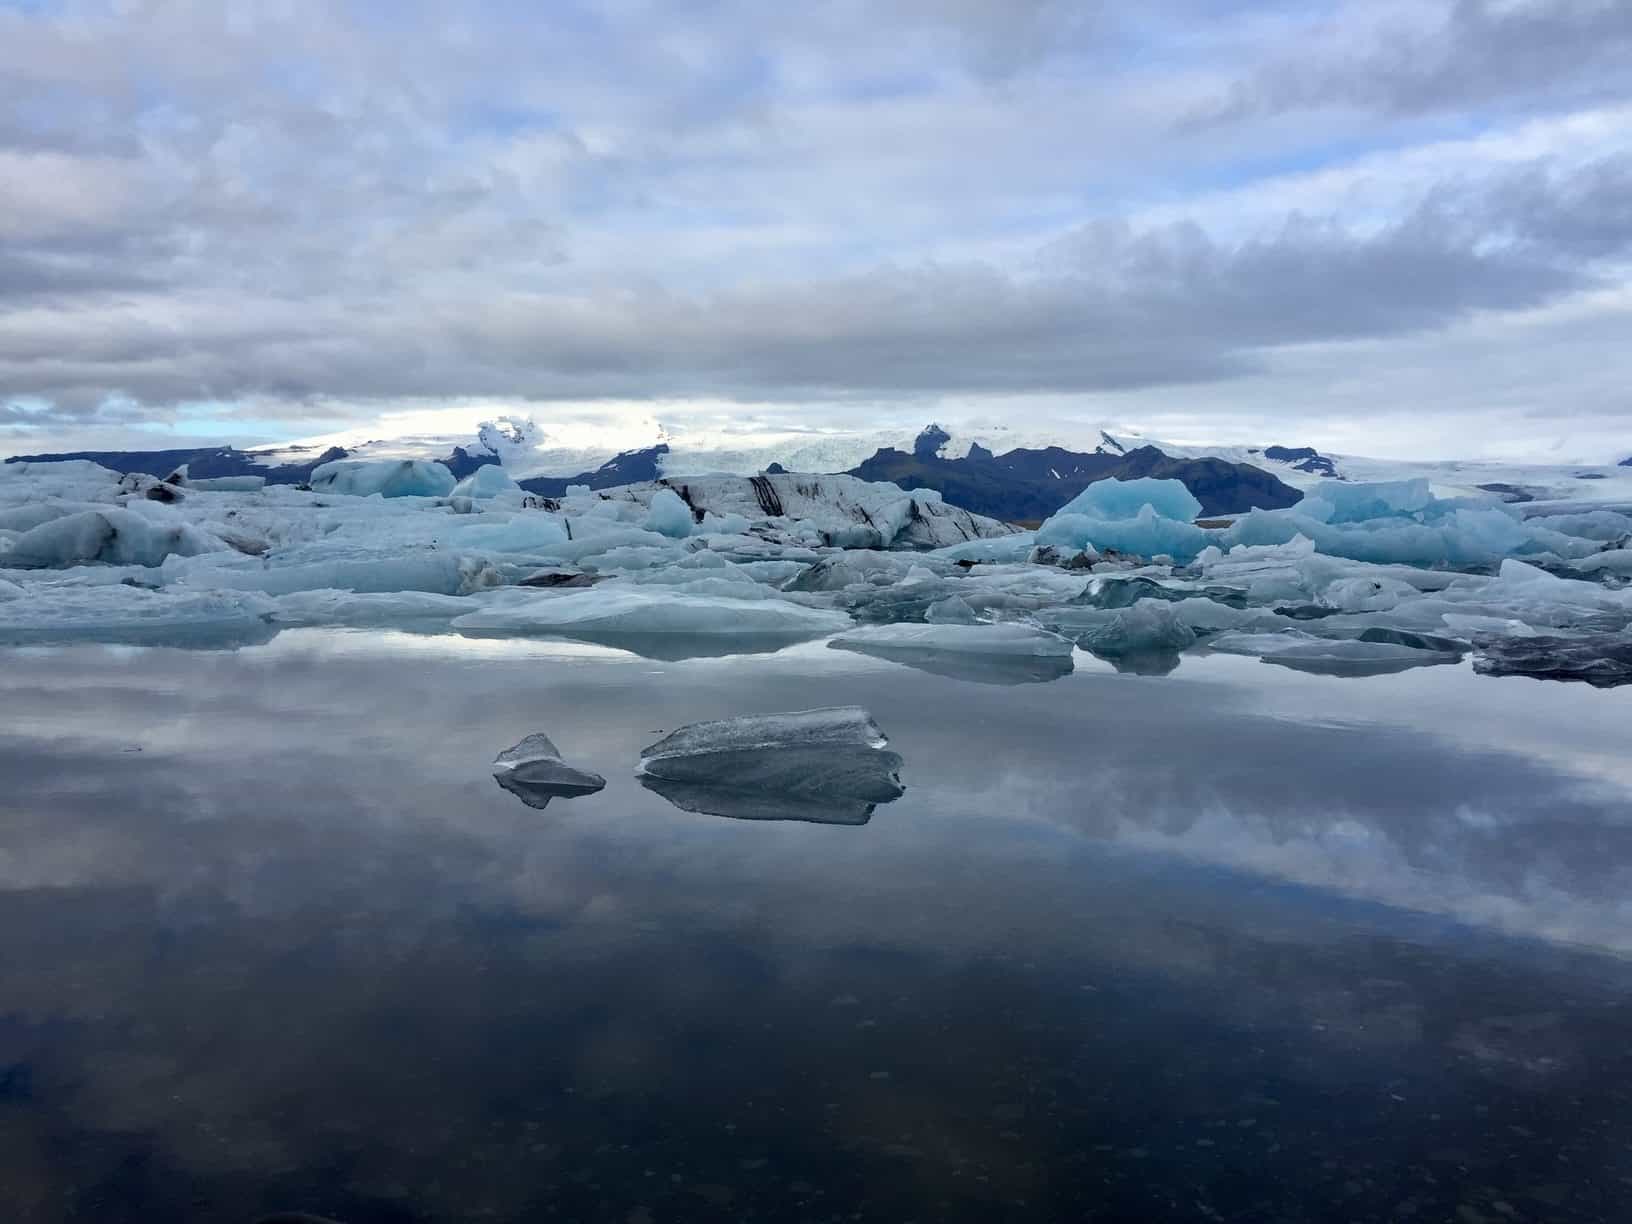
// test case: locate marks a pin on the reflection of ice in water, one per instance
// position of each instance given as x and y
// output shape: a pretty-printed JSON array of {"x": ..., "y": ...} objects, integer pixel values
[
  {"x": 534, "y": 772},
  {"x": 827, "y": 766}
]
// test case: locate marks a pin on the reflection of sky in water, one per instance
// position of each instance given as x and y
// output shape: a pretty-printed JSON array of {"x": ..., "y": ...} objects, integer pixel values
[{"x": 268, "y": 930}]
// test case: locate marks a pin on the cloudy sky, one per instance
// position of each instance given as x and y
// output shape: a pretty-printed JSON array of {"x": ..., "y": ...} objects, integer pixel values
[{"x": 1399, "y": 227}]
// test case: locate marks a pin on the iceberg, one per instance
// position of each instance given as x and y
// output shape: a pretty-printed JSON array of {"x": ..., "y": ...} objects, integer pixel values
[
  {"x": 112, "y": 536},
  {"x": 1346, "y": 502},
  {"x": 437, "y": 572},
  {"x": 668, "y": 515},
  {"x": 534, "y": 772},
  {"x": 528, "y": 531},
  {"x": 1147, "y": 627},
  {"x": 387, "y": 477},
  {"x": 830, "y": 511},
  {"x": 1146, "y": 534},
  {"x": 487, "y": 481},
  {"x": 1123, "y": 499},
  {"x": 829, "y": 766}
]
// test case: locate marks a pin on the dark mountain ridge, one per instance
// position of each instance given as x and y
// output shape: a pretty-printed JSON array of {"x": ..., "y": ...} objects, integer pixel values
[
  {"x": 1026, "y": 484},
  {"x": 1019, "y": 485}
]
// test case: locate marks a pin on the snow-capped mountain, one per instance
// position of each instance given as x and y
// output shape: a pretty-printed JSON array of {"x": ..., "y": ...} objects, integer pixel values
[
  {"x": 528, "y": 448},
  {"x": 548, "y": 456}
]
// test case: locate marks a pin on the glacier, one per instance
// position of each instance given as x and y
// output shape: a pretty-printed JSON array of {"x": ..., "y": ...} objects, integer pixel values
[{"x": 1357, "y": 579}]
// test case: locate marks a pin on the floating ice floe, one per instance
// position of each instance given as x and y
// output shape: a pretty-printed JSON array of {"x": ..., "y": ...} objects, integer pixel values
[
  {"x": 134, "y": 615},
  {"x": 828, "y": 766},
  {"x": 986, "y": 653},
  {"x": 641, "y": 618},
  {"x": 534, "y": 772}
]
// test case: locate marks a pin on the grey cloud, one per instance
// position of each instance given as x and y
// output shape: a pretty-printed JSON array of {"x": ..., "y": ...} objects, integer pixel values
[
  {"x": 200, "y": 202},
  {"x": 1107, "y": 307},
  {"x": 1484, "y": 52}
]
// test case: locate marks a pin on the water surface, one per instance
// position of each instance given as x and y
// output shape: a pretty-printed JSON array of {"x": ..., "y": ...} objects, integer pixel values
[{"x": 1237, "y": 943}]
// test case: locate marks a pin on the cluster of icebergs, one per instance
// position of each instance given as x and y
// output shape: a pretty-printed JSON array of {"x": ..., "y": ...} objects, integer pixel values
[{"x": 1355, "y": 579}]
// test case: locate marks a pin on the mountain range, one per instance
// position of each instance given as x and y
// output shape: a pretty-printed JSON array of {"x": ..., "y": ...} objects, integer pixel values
[{"x": 1001, "y": 471}]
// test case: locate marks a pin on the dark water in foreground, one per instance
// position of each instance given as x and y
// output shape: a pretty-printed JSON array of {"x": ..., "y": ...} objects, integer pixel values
[{"x": 1233, "y": 944}]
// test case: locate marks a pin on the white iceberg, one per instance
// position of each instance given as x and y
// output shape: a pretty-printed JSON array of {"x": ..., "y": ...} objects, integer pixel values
[
  {"x": 489, "y": 480},
  {"x": 112, "y": 536},
  {"x": 386, "y": 477},
  {"x": 668, "y": 515}
]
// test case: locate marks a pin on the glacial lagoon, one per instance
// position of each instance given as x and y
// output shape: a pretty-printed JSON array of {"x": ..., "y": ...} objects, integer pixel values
[{"x": 1237, "y": 942}]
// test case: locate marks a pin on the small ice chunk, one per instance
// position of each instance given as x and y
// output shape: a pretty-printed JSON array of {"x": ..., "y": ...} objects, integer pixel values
[
  {"x": 534, "y": 772},
  {"x": 669, "y": 515},
  {"x": 828, "y": 765},
  {"x": 489, "y": 480},
  {"x": 387, "y": 477}
]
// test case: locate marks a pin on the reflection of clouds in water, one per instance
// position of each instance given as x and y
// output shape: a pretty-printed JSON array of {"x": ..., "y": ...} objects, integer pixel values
[
  {"x": 307, "y": 877},
  {"x": 273, "y": 741}
]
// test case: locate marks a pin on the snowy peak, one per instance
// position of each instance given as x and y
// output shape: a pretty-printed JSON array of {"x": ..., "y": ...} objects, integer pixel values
[{"x": 505, "y": 437}]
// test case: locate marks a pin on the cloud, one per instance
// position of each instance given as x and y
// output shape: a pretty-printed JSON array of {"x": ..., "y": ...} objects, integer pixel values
[
  {"x": 1436, "y": 57},
  {"x": 297, "y": 205}
]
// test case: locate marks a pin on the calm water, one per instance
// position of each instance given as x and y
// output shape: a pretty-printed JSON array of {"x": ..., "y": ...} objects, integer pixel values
[{"x": 1233, "y": 944}]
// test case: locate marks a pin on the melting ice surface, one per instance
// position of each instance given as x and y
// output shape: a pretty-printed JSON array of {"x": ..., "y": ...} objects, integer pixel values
[{"x": 1357, "y": 579}]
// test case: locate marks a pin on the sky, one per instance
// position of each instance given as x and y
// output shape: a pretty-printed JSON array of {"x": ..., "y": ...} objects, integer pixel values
[{"x": 1390, "y": 227}]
